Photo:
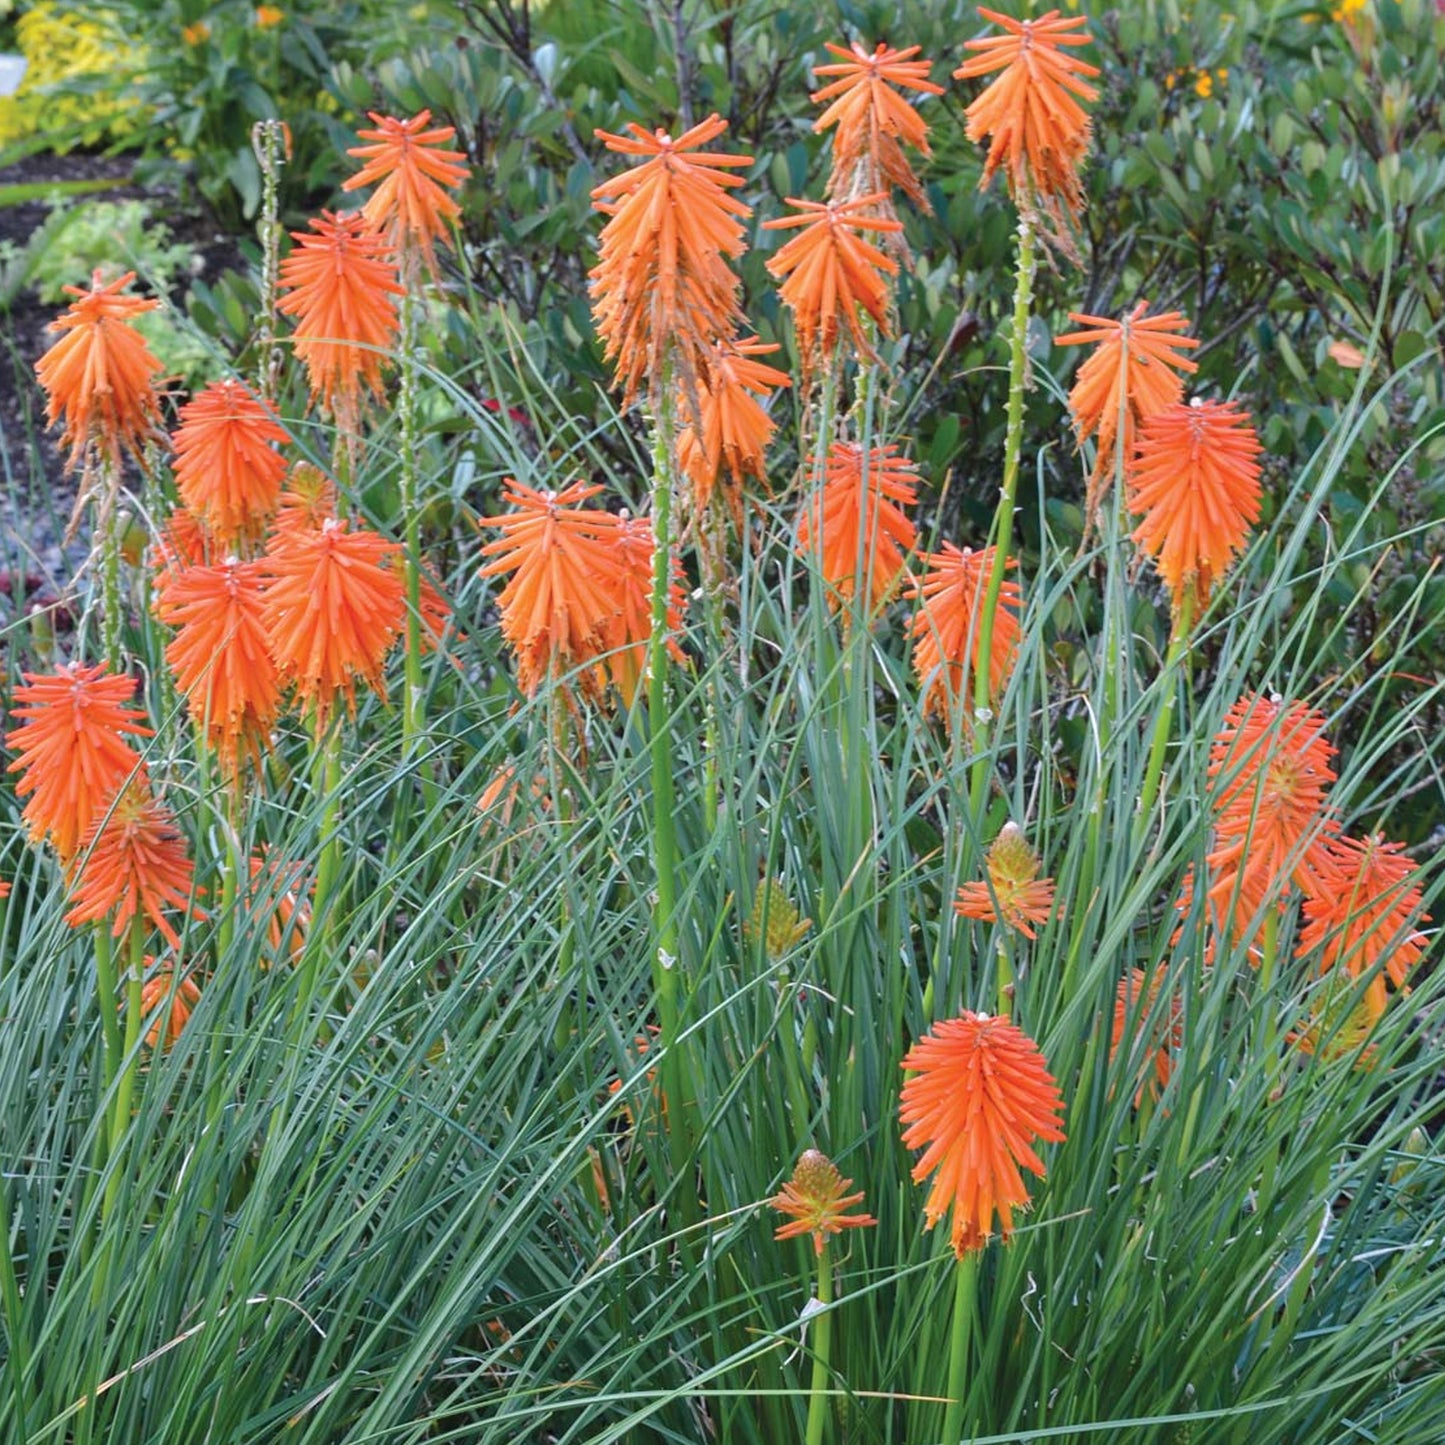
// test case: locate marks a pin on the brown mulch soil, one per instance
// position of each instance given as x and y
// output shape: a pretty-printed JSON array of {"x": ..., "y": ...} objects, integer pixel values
[{"x": 37, "y": 565}]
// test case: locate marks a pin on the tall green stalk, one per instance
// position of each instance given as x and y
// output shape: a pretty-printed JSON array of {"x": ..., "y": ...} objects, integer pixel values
[
  {"x": 965, "y": 1292},
  {"x": 1018, "y": 366},
  {"x": 413, "y": 710},
  {"x": 822, "y": 1327},
  {"x": 666, "y": 959},
  {"x": 268, "y": 140},
  {"x": 321, "y": 938}
]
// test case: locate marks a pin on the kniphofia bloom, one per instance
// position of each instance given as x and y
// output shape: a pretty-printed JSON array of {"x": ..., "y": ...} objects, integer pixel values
[
  {"x": 279, "y": 893},
  {"x": 228, "y": 470},
  {"x": 872, "y": 120},
  {"x": 1271, "y": 763},
  {"x": 625, "y": 633},
  {"x": 73, "y": 749},
  {"x": 816, "y": 1199},
  {"x": 662, "y": 290},
  {"x": 1030, "y": 113},
  {"x": 155, "y": 992},
  {"x": 980, "y": 1095},
  {"x": 1194, "y": 482},
  {"x": 99, "y": 378},
  {"x": 333, "y": 605},
  {"x": 559, "y": 601},
  {"x": 1368, "y": 920},
  {"x": 1131, "y": 376},
  {"x": 412, "y": 174},
  {"x": 220, "y": 655},
  {"x": 736, "y": 430},
  {"x": 341, "y": 287},
  {"x": 832, "y": 278},
  {"x": 1014, "y": 893},
  {"x": 948, "y": 630},
  {"x": 1137, "y": 1015},
  {"x": 856, "y": 523},
  {"x": 134, "y": 864}
]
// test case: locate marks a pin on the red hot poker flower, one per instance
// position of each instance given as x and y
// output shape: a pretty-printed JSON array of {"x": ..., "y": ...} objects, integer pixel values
[
  {"x": 333, "y": 605},
  {"x": 979, "y": 1095},
  {"x": 1194, "y": 480},
  {"x": 831, "y": 278},
  {"x": 857, "y": 524},
  {"x": 73, "y": 749},
  {"x": 1368, "y": 918},
  {"x": 560, "y": 601},
  {"x": 1131, "y": 376},
  {"x": 948, "y": 630},
  {"x": 873, "y": 120},
  {"x": 227, "y": 470},
  {"x": 220, "y": 655},
  {"x": 662, "y": 286},
  {"x": 134, "y": 863},
  {"x": 735, "y": 428},
  {"x": 100, "y": 376},
  {"x": 412, "y": 175},
  {"x": 1039, "y": 131},
  {"x": 341, "y": 286}
]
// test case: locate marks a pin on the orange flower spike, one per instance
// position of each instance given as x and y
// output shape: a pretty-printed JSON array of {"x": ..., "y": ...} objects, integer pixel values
[
  {"x": 832, "y": 278},
  {"x": 1039, "y": 132},
  {"x": 1135, "y": 999},
  {"x": 873, "y": 120},
  {"x": 134, "y": 863},
  {"x": 627, "y": 631},
  {"x": 342, "y": 287},
  {"x": 947, "y": 632},
  {"x": 72, "y": 749},
  {"x": 735, "y": 428},
  {"x": 227, "y": 471},
  {"x": 308, "y": 501},
  {"x": 279, "y": 891},
  {"x": 1194, "y": 479},
  {"x": 1370, "y": 912},
  {"x": 410, "y": 205},
  {"x": 1024, "y": 898},
  {"x": 99, "y": 378},
  {"x": 860, "y": 508},
  {"x": 333, "y": 605},
  {"x": 980, "y": 1095},
  {"x": 563, "y": 592},
  {"x": 816, "y": 1198},
  {"x": 220, "y": 655},
  {"x": 661, "y": 286},
  {"x": 154, "y": 993},
  {"x": 1272, "y": 762},
  {"x": 1132, "y": 375}
]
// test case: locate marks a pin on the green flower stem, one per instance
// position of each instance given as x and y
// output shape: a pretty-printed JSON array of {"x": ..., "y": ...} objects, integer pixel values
[
  {"x": 965, "y": 1293},
  {"x": 822, "y": 1328},
  {"x": 321, "y": 939},
  {"x": 982, "y": 699},
  {"x": 1269, "y": 1039},
  {"x": 413, "y": 711},
  {"x": 112, "y": 596},
  {"x": 666, "y": 962},
  {"x": 268, "y": 142},
  {"x": 1164, "y": 720}
]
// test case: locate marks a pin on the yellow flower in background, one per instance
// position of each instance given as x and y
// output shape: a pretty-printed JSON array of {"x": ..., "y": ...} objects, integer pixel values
[
  {"x": 196, "y": 34},
  {"x": 269, "y": 16},
  {"x": 1204, "y": 84}
]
